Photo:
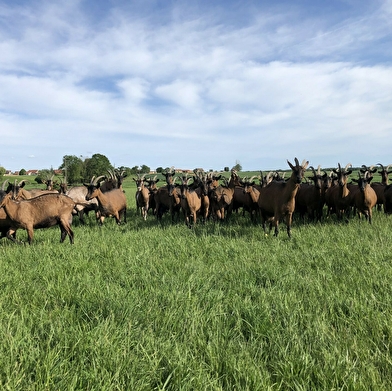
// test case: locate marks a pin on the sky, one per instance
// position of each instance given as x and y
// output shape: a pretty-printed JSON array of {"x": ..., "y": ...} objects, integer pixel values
[{"x": 196, "y": 84}]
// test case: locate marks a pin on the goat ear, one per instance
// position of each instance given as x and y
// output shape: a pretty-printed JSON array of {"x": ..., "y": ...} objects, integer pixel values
[{"x": 291, "y": 166}]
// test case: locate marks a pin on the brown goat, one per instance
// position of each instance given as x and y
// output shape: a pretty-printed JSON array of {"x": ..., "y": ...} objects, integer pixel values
[
  {"x": 78, "y": 194},
  {"x": 5, "y": 222},
  {"x": 247, "y": 195},
  {"x": 277, "y": 200},
  {"x": 222, "y": 196},
  {"x": 379, "y": 187},
  {"x": 339, "y": 198},
  {"x": 388, "y": 199},
  {"x": 201, "y": 182},
  {"x": 142, "y": 196},
  {"x": 43, "y": 211},
  {"x": 309, "y": 198},
  {"x": 167, "y": 198},
  {"x": 365, "y": 199},
  {"x": 191, "y": 202},
  {"x": 111, "y": 204},
  {"x": 152, "y": 188}
]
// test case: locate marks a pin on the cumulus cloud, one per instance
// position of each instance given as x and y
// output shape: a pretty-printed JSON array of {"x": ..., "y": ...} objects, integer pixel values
[{"x": 215, "y": 84}]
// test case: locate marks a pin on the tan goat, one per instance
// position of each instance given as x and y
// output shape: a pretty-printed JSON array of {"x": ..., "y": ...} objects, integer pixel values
[
  {"x": 111, "y": 204},
  {"x": 43, "y": 211},
  {"x": 277, "y": 199}
]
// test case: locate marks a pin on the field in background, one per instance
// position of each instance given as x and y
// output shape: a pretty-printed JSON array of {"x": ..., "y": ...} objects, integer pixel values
[{"x": 144, "y": 306}]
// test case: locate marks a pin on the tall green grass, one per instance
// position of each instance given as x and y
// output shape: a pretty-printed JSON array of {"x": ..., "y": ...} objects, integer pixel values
[{"x": 148, "y": 306}]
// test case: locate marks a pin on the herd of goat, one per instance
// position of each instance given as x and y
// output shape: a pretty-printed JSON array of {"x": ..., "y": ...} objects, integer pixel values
[{"x": 200, "y": 196}]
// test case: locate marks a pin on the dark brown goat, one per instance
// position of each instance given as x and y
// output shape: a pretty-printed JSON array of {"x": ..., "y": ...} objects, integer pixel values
[
  {"x": 167, "y": 198},
  {"x": 152, "y": 188},
  {"x": 277, "y": 200},
  {"x": 111, "y": 204},
  {"x": 339, "y": 198},
  {"x": 379, "y": 187},
  {"x": 388, "y": 199},
  {"x": 309, "y": 198},
  {"x": 247, "y": 195},
  {"x": 43, "y": 211}
]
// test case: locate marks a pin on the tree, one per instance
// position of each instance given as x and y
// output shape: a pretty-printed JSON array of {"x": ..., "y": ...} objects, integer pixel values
[
  {"x": 237, "y": 166},
  {"x": 145, "y": 169},
  {"x": 43, "y": 175},
  {"x": 2, "y": 171},
  {"x": 72, "y": 169},
  {"x": 226, "y": 169},
  {"x": 159, "y": 170},
  {"x": 95, "y": 166}
]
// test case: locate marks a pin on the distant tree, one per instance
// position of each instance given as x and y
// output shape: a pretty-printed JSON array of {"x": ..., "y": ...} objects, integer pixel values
[
  {"x": 95, "y": 166},
  {"x": 126, "y": 169},
  {"x": 135, "y": 170},
  {"x": 237, "y": 166},
  {"x": 43, "y": 175},
  {"x": 159, "y": 170},
  {"x": 2, "y": 171},
  {"x": 226, "y": 169},
  {"x": 72, "y": 168},
  {"x": 145, "y": 169},
  {"x": 22, "y": 172}
]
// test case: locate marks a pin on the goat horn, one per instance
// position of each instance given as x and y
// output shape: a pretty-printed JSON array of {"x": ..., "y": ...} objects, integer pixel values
[
  {"x": 110, "y": 174},
  {"x": 3, "y": 185},
  {"x": 388, "y": 167},
  {"x": 347, "y": 166},
  {"x": 98, "y": 178},
  {"x": 319, "y": 169},
  {"x": 379, "y": 164},
  {"x": 252, "y": 178},
  {"x": 303, "y": 164}
]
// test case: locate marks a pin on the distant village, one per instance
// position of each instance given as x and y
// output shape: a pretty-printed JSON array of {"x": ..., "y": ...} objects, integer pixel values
[{"x": 31, "y": 172}]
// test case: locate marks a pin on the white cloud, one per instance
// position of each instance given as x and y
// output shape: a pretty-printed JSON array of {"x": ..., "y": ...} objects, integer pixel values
[{"x": 229, "y": 89}]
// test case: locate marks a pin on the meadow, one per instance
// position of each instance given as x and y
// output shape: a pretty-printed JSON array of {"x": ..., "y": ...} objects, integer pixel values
[{"x": 148, "y": 306}]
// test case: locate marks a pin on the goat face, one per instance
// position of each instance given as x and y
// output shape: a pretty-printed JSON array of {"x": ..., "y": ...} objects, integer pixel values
[
  {"x": 298, "y": 170},
  {"x": 170, "y": 188},
  {"x": 92, "y": 191},
  {"x": 342, "y": 174},
  {"x": 139, "y": 184},
  {"x": 363, "y": 181}
]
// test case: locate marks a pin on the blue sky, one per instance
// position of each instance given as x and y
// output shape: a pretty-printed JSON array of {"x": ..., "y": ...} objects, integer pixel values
[{"x": 196, "y": 84}]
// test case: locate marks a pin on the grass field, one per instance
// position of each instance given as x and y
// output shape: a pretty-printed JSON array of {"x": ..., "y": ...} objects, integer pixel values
[{"x": 144, "y": 306}]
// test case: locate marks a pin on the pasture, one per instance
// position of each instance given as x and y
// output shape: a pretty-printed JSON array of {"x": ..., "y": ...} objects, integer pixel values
[{"x": 148, "y": 306}]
